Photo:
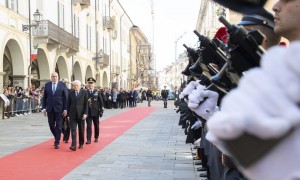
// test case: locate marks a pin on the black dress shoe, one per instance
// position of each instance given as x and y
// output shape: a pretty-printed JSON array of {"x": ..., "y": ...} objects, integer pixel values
[
  {"x": 203, "y": 174},
  {"x": 201, "y": 169},
  {"x": 73, "y": 148},
  {"x": 56, "y": 146},
  {"x": 80, "y": 146},
  {"x": 88, "y": 142},
  {"x": 198, "y": 163},
  {"x": 96, "y": 139}
]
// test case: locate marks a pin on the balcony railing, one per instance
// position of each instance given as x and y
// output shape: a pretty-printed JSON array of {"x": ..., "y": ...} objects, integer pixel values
[
  {"x": 82, "y": 2},
  {"x": 104, "y": 62},
  {"x": 56, "y": 35},
  {"x": 108, "y": 23}
]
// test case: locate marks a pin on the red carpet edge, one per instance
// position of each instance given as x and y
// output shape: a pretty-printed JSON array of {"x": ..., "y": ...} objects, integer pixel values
[{"x": 42, "y": 161}]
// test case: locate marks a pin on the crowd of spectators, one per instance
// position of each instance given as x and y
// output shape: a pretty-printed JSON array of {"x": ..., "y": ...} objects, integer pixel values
[
  {"x": 122, "y": 98},
  {"x": 27, "y": 101},
  {"x": 22, "y": 101}
]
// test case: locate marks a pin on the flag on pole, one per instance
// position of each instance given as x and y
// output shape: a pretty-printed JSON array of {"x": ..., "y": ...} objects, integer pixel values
[{"x": 33, "y": 55}]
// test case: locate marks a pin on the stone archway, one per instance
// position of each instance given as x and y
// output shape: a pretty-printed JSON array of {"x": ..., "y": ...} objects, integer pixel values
[
  {"x": 7, "y": 68},
  {"x": 13, "y": 64},
  {"x": 105, "y": 80},
  {"x": 61, "y": 68},
  {"x": 89, "y": 73},
  {"x": 40, "y": 69},
  {"x": 77, "y": 72}
]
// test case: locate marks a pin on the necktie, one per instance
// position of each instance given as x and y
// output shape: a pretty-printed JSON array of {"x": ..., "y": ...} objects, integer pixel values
[
  {"x": 91, "y": 91},
  {"x": 53, "y": 87},
  {"x": 76, "y": 93}
]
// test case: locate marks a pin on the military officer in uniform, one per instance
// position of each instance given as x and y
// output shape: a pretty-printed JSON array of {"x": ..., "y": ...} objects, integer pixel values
[{"x": 95, "y": 110}]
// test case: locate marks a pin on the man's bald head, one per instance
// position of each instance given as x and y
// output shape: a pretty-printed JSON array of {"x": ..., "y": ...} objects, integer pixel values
[{"x": 54, "y": 77}]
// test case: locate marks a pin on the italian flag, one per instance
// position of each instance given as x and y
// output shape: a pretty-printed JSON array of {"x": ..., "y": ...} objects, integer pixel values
[{"x": 33, "y": 55}]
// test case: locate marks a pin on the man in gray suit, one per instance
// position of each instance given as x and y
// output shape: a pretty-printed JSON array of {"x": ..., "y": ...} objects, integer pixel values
[{"x": 77, "y": 111}]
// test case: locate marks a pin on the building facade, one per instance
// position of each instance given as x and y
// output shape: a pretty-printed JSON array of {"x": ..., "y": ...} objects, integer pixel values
[
  {"x": 142, "y": 66},
  {"x": 62, "y": 41},
  {"x": 76, "y": 38},
  {"x": 171, "y": 76}
]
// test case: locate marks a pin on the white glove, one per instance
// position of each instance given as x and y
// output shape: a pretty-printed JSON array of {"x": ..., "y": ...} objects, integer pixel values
[
  {"x": 262, "y": 105},
  {"x": 196, "y": 125},
  {"x": 257, "y": 107},
  {"x": 189, "y": 88},
  {"x": 208, "y": 100},
  {"x": 195, "y": 97},
  {"x": 265, "y": 104},
  {"x": 181, "y": 96}
]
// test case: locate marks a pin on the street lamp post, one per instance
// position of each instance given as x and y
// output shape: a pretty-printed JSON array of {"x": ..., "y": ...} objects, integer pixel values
[{"x": 37, "y": 19}]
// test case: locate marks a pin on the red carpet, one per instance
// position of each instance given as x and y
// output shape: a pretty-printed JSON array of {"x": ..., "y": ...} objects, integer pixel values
[{"x": 42, "y": 161}]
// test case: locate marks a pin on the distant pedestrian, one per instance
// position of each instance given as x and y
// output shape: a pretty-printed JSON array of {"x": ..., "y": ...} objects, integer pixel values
[
  {"x": 114, "y": 97},
  {"x": 164, "y": 95},
  {"x": 130, "y": 94},
  {"x": 123, "y": 98},
  {"x": 149, "y": 95},
  {"x": 135, "y": 95}
]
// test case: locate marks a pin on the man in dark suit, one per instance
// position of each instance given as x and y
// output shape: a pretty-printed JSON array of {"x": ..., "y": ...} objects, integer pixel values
[
  {"x": 77, "y": 111},
  {"x": 123, "y": 96},
  {"x": 149, "y": 95},
  {"x": 66, "y": 130},
  {"x": 54, "y": 105},
  {"x": 135, "y": 94},
  {"x": 164, "y": 95},
  {"x": 130, "y": 94},
  {"x": 95, "y": 110}
]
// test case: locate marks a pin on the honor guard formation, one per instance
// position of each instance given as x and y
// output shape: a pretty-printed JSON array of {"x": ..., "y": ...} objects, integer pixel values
[{"x": 240, "y": 106}]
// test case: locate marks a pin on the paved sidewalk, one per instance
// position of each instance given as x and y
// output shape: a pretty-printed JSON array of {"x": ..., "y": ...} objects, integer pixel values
[
  {"x": 17, "y": 133},
  {"x": 152, "y": 149}
]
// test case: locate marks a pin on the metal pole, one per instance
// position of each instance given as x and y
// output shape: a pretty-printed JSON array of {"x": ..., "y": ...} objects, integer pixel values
[
  {"x": 96, "y": 34},
  {"x": 73, "y": 33},
  {"x": 29, "y": 68},
  {"x": 110, "y": 73}
]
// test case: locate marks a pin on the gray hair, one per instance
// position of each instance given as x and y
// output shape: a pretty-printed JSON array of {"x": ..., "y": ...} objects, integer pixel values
[
  {"x": 76, "y": 82},
  {"x": 54, "y": 73}
]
